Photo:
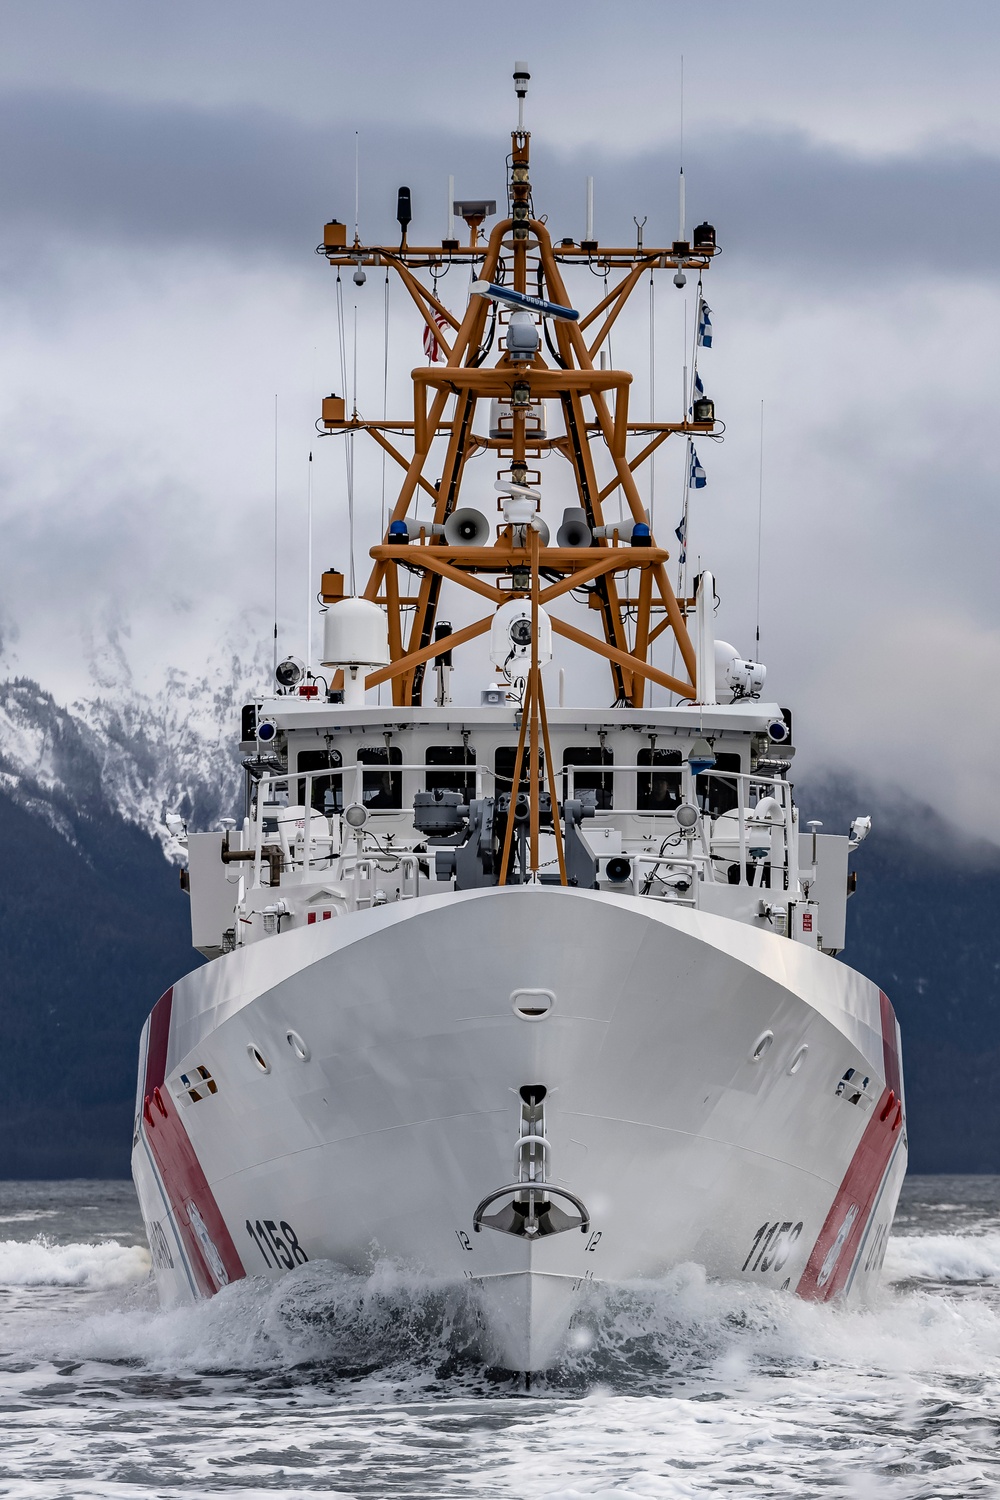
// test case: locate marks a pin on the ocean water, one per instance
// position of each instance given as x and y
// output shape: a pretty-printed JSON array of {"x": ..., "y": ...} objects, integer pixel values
[{"x": 342, "y": 1386}]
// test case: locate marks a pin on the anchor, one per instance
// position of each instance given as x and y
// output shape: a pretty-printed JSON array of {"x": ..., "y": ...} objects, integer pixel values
[{"x": 531, "y": 1213}]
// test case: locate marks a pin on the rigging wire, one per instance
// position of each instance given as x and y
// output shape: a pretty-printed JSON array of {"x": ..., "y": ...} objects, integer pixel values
[
  {"x": 276, "y": 533},
  {"x": 385, "y": 399},
  {"x": 357, "y": 185},
  {"x": 652, "y": 394},
  {"x": 760, "y": 517},
  {"x": 607, "y": 361},
  {"x": 385, "y": 380},
  {"x": 682, "y": 568},
  {"x": 309, "y": 565},
  {"x": 350, "y": 442}
]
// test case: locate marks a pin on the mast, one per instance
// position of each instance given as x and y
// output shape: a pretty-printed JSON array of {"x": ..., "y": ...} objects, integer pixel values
[{"x": 495, "y": 560}]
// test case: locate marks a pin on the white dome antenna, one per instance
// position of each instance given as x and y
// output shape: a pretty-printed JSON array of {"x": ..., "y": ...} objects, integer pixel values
[{"x": 355, "y": 637}]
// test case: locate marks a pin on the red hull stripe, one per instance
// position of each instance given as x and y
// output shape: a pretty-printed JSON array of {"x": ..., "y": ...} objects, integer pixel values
[
  {"x": 890, "y": 1050},
  {"x": 213, "y": 1257},
  {"x": 159, "y": 1036},
  {"x": 834, "y": 1252},
  {"x": 833, "y": 1255}
]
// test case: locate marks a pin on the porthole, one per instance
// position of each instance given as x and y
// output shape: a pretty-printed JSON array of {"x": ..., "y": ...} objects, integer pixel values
[
  {"x": 257, "y": 1058},
  {"x": 532, "y": 1005},
  {"x": 298, "y": 1045},
  {"x": 798, "y": 1059},
  {"x": 760, "y": 1046}
]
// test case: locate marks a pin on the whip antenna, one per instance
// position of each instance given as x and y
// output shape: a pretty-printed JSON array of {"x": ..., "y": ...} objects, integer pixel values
[
  {"x": 357, "y": 186},
  {"x": 682, "y": 213},
  {"x": 309, "y": 566},
  {"x": 760, "y": 515},
  {"x": 275, "y": 533}
]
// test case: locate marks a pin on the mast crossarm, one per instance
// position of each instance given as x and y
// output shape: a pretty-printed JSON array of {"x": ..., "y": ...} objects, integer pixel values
[
  {"x": 404, "y": 463},
  {"x": 423, "y": 257},
  {"x": 666, "y": 428},
  {"x": 634, "y": 463},
  {"x": 432, "y": 649},
  {"x": 626, "y": 283},
  {"x": 624, "y": 292},
  {"x": 430, "y": 558},
  {"x": 422, "y": 294},
  {"x": 501, "y": 559},
  {"x": 676, "y": 620},
  {"x": 623, "y": 658},
  {"x": 426, "y": 304},
  {"x": 404, "y": 425},
  {"x": 643, "y": 621},
  {"x": 497, "y": 380}
]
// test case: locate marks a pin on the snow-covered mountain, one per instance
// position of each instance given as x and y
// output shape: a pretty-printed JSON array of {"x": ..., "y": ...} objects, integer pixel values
[
  {"x": 93, "y": 924},
  {"x": 138, "y": 754}
]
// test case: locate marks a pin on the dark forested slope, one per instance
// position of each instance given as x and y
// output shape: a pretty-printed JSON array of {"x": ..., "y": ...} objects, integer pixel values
[{"x": 94, "y": 926}]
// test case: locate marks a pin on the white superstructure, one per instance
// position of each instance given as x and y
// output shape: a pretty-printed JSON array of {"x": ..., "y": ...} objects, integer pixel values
[{"x": 519, "y": 995}]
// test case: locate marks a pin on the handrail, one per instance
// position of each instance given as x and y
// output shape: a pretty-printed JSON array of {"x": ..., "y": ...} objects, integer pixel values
[{"x": 783, "y": 855}]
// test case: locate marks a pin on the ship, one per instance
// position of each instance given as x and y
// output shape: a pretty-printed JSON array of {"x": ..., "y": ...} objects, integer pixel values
[{"x": 522, "y": 996}]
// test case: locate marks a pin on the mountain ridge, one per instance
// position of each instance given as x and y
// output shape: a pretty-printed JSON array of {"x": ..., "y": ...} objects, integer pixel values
[{"x": 94, "y": 925}]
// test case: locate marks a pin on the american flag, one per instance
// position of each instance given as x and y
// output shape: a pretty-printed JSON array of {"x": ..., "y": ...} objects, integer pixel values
[{"x": 431, "y": 346}]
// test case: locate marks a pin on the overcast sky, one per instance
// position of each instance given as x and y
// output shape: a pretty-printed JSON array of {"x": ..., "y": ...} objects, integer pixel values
[{"x": 165, "y": 171}]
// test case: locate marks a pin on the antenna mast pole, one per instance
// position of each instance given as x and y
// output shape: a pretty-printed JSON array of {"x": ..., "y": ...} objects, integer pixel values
[
  {"x": 309, "y": 567},
  {"x": 275, "y": 533},
  {"x": 680, "y": 186}
]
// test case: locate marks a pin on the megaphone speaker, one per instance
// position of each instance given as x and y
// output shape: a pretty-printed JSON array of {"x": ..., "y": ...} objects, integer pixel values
[
  {"x": 574, "y": 531},
  {"x": 467, "y": 528}
]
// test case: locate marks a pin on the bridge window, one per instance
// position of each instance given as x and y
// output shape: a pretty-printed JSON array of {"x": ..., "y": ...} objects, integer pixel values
[
  {"x": 382, "y": 789},
  {"x": 503, "y": 765},
  {"x": 450, "y": 778},
  {"x": 601, "y": 783},
  {"x": 327, "y": 791},
  {"x": 658, "y": 791},
  {"x": 719, "y": 794}
]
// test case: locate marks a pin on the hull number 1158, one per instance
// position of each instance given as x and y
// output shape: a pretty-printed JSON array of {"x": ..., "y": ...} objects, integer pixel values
[
  {"x": 771, "y": 1245},
  {"x": 278, "y": 1249}
]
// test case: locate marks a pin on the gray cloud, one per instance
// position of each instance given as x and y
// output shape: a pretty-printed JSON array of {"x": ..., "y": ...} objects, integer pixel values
[
  {"x": 159, "y": 287},
  {"x": 258, "y": 183}
]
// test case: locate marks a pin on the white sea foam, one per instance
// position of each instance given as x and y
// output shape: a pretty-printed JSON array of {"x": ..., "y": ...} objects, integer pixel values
[
  {"x": 358, "y": 1386},
  {"x": 684, "y": 1325},
  {"x": 41, "y": 1262},
  {"x": 943, "y": 1257}
]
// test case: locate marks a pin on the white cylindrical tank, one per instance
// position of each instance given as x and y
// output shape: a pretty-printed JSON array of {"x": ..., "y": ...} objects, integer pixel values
[{"x": 355, "y": 634}]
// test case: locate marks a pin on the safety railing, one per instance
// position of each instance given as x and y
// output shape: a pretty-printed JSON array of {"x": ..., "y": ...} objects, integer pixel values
[
  {"x": 780, "y": 850},
  {"x": 748, "y": 836},
  {"x": 318, "y": 841}
]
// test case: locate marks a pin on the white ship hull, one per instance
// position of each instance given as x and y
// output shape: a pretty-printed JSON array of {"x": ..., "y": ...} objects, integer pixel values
[{"x": 390, "y": 1106}]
